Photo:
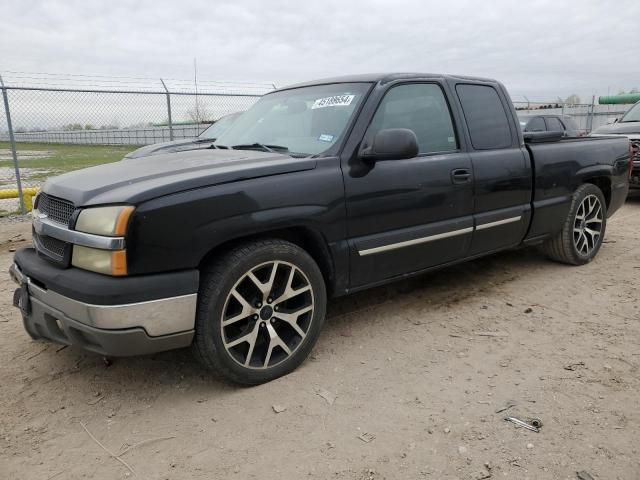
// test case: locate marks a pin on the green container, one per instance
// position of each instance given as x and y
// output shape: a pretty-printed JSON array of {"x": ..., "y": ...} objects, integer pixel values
[{"x": 626, "y": 98}]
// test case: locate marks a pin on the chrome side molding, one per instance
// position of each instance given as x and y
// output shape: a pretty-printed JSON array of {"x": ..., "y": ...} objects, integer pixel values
[
  {"x": 408, "y": 243},
  {"x": 497, "y": 223},
  {"x": 439, "y": 236}
]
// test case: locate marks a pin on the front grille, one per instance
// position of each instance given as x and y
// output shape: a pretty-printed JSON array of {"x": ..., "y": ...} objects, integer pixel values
[
  {"x": 56, "y": 209},
  {"x": 53, "y": 245},
  {"x": 636, "y": 149},
  {"x": 52, "y": 249},
  {"x": 59, "y": 211}
]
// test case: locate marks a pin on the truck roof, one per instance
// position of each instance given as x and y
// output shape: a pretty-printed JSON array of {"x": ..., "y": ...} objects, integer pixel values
[{"x": 385, "y": 78}]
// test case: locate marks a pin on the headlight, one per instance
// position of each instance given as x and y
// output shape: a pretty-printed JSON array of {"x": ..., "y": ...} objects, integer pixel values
[
  {"x": 109, "y": 262},
  {"x": 109, "y": 221}
]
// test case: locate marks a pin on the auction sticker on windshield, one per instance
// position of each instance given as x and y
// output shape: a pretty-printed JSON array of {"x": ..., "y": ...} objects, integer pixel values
[{"x": 335, "y": 101}]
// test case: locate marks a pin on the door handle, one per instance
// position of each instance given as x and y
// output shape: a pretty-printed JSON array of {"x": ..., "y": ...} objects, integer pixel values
[{"x": 460, "y": 175}]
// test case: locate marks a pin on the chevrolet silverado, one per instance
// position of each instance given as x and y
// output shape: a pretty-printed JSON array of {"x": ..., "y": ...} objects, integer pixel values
[{"x": 318, "y": 190}]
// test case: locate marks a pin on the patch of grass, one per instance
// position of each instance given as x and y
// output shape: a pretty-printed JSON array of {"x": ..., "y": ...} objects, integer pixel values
[{"x": 65, "y": 158}]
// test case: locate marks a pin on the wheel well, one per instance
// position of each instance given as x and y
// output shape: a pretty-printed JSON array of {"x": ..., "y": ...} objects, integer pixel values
[
  {"x": 604, "y": 184},
  {"x": 307, "y": 239}
]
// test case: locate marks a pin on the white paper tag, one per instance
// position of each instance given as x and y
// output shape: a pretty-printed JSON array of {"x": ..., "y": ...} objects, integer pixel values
[
  {"x": 335, "y": 101},
  {"x": 325, "y": 137}
]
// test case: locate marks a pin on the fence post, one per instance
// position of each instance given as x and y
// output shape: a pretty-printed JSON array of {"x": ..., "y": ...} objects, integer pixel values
[
  {"x": 591, "y": 112},
  {"x": 168, "y": 110},
  {"x": 12, "y": 139}
]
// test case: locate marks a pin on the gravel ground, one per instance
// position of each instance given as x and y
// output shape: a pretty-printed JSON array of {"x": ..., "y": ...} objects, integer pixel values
[
  {"x": 14, "y": 219},
  {"x": 404, "y": 383}
]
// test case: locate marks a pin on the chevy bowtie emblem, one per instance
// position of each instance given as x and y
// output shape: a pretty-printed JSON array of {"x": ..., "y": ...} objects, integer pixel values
[{"x": 37, "y": 221}]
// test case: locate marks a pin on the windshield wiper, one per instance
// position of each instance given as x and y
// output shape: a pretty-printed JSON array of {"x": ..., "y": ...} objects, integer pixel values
[{"x": 261, "y": 146}]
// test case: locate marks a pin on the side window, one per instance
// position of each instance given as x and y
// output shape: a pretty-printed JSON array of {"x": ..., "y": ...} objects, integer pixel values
[
  {"x": 554, "y": 125},
  {"x": 421, "y": 108},
  {"x": 486, "y": 118},
  {"x": 536, "y": 124}
]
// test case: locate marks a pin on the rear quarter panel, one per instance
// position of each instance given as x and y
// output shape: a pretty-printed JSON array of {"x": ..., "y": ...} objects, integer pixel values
[{"x": 560, "y": 167}]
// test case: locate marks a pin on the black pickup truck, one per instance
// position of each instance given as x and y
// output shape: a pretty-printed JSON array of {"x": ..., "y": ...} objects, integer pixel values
[{"x": 319, "y": 190}]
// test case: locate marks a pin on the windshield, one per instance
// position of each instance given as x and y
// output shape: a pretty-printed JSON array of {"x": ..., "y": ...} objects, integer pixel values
[
  {"x": 223, "y": 123},
  {"x": 632, "y": 115},
  {"x": 305, "y": 121}
]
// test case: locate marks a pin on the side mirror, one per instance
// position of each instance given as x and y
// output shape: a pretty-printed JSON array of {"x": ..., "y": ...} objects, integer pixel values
[{"x": 391, "y": 144}]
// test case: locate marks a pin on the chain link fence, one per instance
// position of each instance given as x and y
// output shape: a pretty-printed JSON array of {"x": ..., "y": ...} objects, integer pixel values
[
  {"x": 588, "y": 116},
  {"x": 52, "y": 125}
]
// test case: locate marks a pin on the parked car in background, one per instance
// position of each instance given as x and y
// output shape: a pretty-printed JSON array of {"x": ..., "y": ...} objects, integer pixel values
[
  {"x": 550, "y": 123},
  {"x": 628, "y": 126},
  {"x": 318, "y": 190},
  {"x": 204, "y": 140}
]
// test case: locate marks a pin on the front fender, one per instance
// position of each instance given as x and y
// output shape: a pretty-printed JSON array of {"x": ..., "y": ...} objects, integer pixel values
[{"x": 176, "y": 231}]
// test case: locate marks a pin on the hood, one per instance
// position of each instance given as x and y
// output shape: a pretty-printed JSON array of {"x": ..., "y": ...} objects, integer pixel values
[
  {"x": 170, "y": 147},
  {"x": 620, "y": 128},
  {"x": 137, "y": 180}
]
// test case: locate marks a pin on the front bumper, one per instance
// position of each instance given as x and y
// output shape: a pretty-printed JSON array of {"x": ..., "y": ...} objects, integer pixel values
[{"x": 144, "y": 321}]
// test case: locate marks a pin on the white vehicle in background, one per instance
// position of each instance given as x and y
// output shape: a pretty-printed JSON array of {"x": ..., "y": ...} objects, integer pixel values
[{"x": 628, "y": 126}]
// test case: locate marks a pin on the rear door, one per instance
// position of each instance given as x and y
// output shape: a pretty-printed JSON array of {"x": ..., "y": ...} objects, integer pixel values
[
  {"x": 410, "y": 214},
  {"x": 501, "y": 168}
]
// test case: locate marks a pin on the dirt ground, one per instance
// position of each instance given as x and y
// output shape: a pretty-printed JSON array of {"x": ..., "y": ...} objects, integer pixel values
[{"x": 403, "y": 384}]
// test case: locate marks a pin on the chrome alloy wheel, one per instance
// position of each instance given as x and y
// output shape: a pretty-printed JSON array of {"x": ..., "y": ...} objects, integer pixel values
[
  {"x": 587, "y": 226},
  {"x": 267, "y": 314}
]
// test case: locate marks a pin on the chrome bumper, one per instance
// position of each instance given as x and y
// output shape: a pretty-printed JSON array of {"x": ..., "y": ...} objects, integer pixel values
[{"x": 165, "y": 316}]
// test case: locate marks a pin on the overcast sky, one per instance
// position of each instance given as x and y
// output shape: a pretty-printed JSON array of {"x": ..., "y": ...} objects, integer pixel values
[{"x": 539, "y": 48}]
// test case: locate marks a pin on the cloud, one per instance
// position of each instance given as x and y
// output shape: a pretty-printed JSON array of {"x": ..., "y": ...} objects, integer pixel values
[{"x": 539, "y": 48}]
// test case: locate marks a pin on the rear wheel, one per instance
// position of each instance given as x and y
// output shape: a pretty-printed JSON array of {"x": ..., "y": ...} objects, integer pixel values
[
  {"x": 583, "y": 231},
  {"x": 260, "y": 311}
]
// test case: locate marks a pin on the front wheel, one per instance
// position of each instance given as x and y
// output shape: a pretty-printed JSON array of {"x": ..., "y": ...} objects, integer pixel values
[
  {"x": 261, "y": 309},
  {"x": 583, "y": 231}
]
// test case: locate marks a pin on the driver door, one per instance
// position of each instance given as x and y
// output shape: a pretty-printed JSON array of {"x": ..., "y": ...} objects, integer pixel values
[{"x": 406, "y": 215}]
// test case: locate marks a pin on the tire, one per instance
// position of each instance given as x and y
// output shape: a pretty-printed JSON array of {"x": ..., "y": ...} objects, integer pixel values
[
  {"x": 575, "y": 244},
  {"x": 272, "y": 297}
]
